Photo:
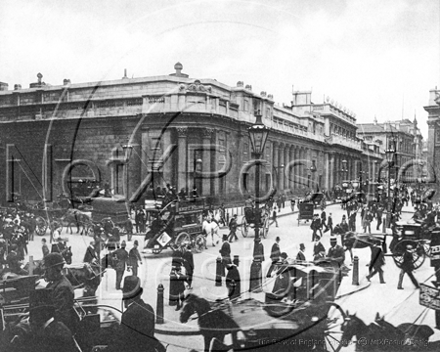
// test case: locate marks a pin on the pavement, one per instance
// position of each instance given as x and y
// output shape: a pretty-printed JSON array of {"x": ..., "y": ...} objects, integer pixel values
[{"x": 366, "y": 298}]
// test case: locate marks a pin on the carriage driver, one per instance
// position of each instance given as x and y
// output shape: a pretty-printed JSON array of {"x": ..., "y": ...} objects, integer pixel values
[{"x": 61, "y": 289}]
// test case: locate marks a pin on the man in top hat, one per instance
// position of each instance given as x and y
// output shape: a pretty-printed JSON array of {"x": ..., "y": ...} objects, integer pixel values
[
  {"x": 61, "y": 289},
  {"x": 344, "y": 224},
  {"x": 274, "y": 256},
  {"x": 318, "y": 249},
  {"x": 233, "y": 228},
  {"x": 376, "y": 263},
  {"x": 136, "y": 332},
  {"x": 177, "y": 287},
  {"x": 316, "y": 226},
  {"x": 134, "y": 258},
  {"x": 407, "y": 267},
  {"x": 121, "y": 257}
]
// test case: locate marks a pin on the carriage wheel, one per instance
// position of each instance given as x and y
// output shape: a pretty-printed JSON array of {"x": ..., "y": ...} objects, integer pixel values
[
  {"x": 41, "y": 227},
  {"x": 182, "y": 238},
  {"x": 199, "y": 243},
  {"x": 333, "y": 331},
  {"x": 244, "y": 227},
  {"x": 418, "y": 253},
  {"x": 265, "y": 227}
]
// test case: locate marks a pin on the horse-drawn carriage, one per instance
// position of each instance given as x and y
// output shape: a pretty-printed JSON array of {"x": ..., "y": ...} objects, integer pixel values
[
  {"x": 248, "y": 220},
  {"x": 308, "y": 205},
  {"x": 410, "y": 234},
  {"x": 176, "y": 223},
  {"x": 299, "y": 313}
]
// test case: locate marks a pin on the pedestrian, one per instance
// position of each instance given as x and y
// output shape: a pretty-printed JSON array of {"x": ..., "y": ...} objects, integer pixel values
[
  {"x": 292, "y": 204},
  {"x": 134, "y": 258},
  {"x": 233, "y": 229},
  {"x": 407, "y": 267},
  {"x": 301, "y": 256},
  {"x": 352, "y": 221},
  {"x": 318, "y": 249},
  {"x": 316, "y": 226},
  {"x": 336, "y": 252},
  {"x": 368, "y": 218},
  {"x": 177, "y": 287},
  {"x": 324, "y": 220},
  {"x": 188, "y": 263},
  {"x": 274, "y": 216},
  {"x": 344, "y": 225},
  {"x": 233, "y": 281},
  {"x": 44, "y": 247},
  {"x": 61, "y": 290},
  {"x": 376, "y": 263},
  {"x": 330, "y": 224},
  {"x": 121, "y": 257},
  {"x": 136, "y": 331},
  {"x": 274, "y": 256},
  {"x": 283, "y": 200},
  {"x": 177, "y": 258},
  {"x": 91, "y": 254},
  {"x": 225, "y": 253},
  {"x": 379, "y": 215}
]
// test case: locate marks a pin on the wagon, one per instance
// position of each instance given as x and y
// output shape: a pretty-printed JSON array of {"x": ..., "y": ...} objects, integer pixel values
[
  {"x": 414, "y": 235},
  {"x": 176, "y": 223},
  {"x": 308, "y": 205},
  {"x": 248, "y": 220}
]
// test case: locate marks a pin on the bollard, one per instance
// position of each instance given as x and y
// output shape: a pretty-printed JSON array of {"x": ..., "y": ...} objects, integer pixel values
[
  {"x": 236, "y": 260},
  {"x": 31, "y": 265},
  {"x": 159, "y": 307},
  {"x": 355, "y": 271},
  {"x": 256, "y": 278},
  {"x": 218, "y": 271}
]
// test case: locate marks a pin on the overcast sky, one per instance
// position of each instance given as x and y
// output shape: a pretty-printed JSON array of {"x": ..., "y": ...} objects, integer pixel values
[{"x": 375, "y": 57}]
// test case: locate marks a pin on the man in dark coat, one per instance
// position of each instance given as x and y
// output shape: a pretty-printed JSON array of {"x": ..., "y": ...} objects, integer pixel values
[
  {"x": 407, "y": 268},
  {"x": 318, "y": 249},
  {"x": 233, "y": 281},
  {"x": 225, "y": 253},
  {"x": 134, "y": 258},
  {"x": 316, "y": 226},
  {"x": 301, "y": 256},
  {"x": 330, "y": 223},
  {"x": 258, "y": 251},
  {"x": 188, "y": 263},
  {"x": 233, "y": 229},
  {"x": 91, "y": 254},
  {"x": 121, "y": 257},
  {"x": 177, "y": 287},
  {"x": 136, "y": 332},
  {"x": 336, "y": 252},
  {"x": 61, "y": 289},
  {"x": 44, "y": 247},
  {"x": 274, "y": 256},
  {"x": 379, "y": 215},
  {"x": 376, "y": 263}
]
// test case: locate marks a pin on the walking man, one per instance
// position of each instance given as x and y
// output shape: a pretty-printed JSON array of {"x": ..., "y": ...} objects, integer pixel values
[
  {"x": 121, "y": 258},
  {"x": 188, "y": 263},
  {"x": 330, "y": 223},
  {"x": 376, "y": 263},
  {"x": 274, "y": 256},
  {"x": 379, "y": 214},
  {"x": 407, "y": 268},
  {"x": 316, "y": 226},
  {"x": 134, "y": 258},
  {"x": 233, "y": 229},
  {"x": 274, "y": 217},
  {"x": 44, "y": 247},
  {"x": 225, "y": 253}
]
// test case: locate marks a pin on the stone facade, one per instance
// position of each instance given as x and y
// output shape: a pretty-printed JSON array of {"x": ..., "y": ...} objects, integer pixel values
[{"x": 184, "y": 131}]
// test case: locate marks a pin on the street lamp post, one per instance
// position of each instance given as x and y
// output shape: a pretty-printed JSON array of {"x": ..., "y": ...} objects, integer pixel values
[
  {"x": 128, "y": 149},
  {"x": 390, "y": 155},
  {"x": 258, "y": 134}
]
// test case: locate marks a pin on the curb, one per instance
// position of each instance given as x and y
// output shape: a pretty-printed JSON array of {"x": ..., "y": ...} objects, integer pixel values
[{"x": 353, "y": 292}]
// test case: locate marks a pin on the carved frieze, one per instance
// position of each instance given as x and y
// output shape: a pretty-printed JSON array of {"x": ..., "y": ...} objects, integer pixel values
[
  {"x": 182, "y": 131},
  {"x": 197, "y": 86}
]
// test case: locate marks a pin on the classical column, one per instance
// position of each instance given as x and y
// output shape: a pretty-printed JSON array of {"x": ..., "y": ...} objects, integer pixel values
[
  {"x": 275, "y": 165},
  {"x": 182, "y": 174},
  {"x": 281, "y": 162},
  {"x": 206, "y": 158}
]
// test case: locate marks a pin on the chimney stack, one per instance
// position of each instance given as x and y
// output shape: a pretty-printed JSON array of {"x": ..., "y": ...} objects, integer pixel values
[
  {"x": 17, "y": 86},
  {"x": 4, "y": 86}
]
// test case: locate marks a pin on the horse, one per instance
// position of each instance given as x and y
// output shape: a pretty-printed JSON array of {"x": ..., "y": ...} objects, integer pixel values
[
  {"x": 74, "y": 217},
  {"x": 352, "y": 239},
  {"x": 85, "y": 275},
  {"x": 383, "y": 336},
  {"x": 211, "y": 227},
  {"x": 213, "y": 323}
]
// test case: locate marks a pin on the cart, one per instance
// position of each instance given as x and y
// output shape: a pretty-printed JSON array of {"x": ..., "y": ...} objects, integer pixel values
[
  {"x": 176, "y": 223},
  {"x": 248, "y": 220},
  {"x": 306, "y": 210},
  {"x": 410, "y": 234}
]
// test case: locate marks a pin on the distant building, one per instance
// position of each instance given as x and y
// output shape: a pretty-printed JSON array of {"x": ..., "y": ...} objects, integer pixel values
[
  {"x": 433, "y": 143},
  {"x": 408, "y": 145}
]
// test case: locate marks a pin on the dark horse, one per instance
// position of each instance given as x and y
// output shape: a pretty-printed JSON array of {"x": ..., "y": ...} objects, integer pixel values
[
  {"x": 85, "y": 275},
  {"x": 352, "y": 240},
  {"x": 213, "y": 323},
  {"x": 383, "y": 336}
]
